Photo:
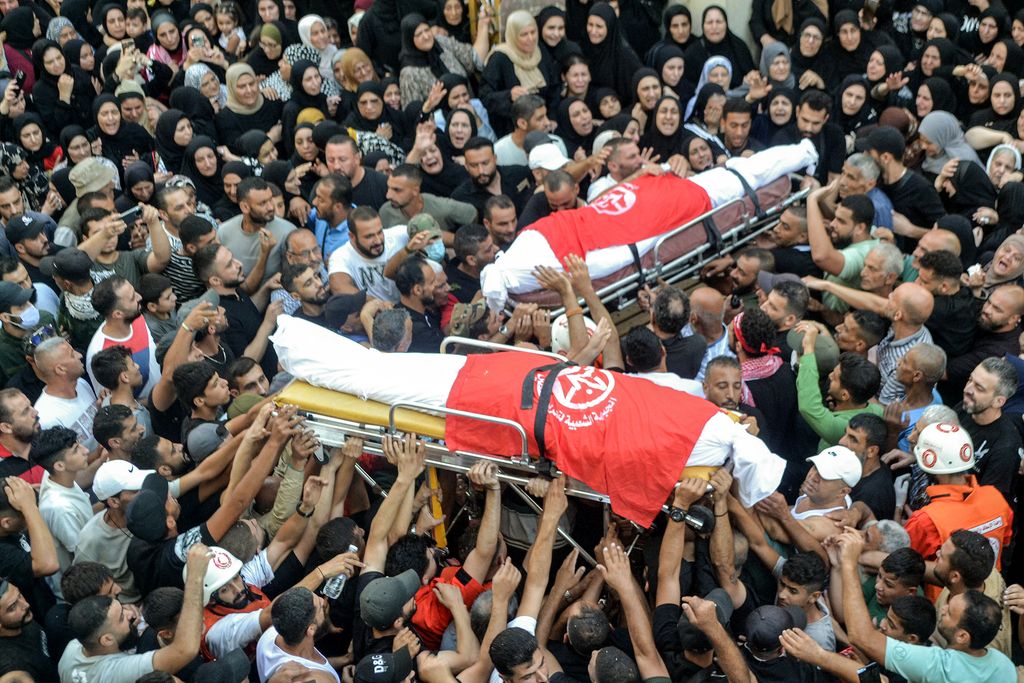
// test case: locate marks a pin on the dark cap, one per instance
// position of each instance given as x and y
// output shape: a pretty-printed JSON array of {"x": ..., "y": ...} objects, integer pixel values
[
  {"x": 767, "y": 622},
  {"x": 71, "y": 264},
  {"x": 384, "y": 667},
  {"x": 231, "y": 668},
  {"x": 691, "y": 637},
  {"x": 147, "y": 513},
  {"x": 534, "y": 138},
  {"x": 23, "y": 227},
  {"x": 12, "y": 295},
  {"x": 883, "y": 139},
  {"x": 340, "y": 306},
  {"x": 767, "y": 281},
  {"x": 382, "y": 600}
]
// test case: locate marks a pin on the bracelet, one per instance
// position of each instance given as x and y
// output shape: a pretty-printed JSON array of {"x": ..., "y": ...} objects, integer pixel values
[
  {"x": 187, "y": 328},
  {"x": 570, "y": 312},
  {"x": 322, "y": 575},
  {"x": 300, "y": 513},
  {"x": 724, "y": 514}
]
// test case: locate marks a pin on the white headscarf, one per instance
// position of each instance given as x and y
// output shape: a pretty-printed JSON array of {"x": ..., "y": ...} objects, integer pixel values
[
  {"x": 708, "y": 66},
  {"x": 327, "y": 54}
]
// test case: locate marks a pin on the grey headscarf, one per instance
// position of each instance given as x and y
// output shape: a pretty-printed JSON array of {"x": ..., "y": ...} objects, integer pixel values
[
  {"x": 194, "y": 76},
  {"x": 768, "y": 55},
  {"x": 57, "y": 25},
  {"x": 943, "y": 130}
]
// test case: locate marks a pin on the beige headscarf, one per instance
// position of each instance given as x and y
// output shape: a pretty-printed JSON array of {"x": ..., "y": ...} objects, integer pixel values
[
  {"x": 236, "y": 71},
  {"x": 782, "y": 13},
  {"x": 527, "y": 66}
]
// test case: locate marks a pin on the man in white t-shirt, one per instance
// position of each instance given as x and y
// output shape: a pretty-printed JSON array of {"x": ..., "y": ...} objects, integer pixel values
[
  {"x": 67, "y": 399},
  {"x": 359, "y": 264},
  {"x": 299, "y": 618},
  {"x": 65, "y": 507},
  {"x": 123, "y": 325}
]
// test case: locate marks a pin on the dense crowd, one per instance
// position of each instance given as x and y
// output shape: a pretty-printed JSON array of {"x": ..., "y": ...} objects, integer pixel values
[{"x": 176, "y": 177}]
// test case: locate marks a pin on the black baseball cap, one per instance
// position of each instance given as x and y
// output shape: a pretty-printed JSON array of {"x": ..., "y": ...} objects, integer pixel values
[
  {"x": 691, "y": 637},
  {"x": 231, "y": 668},
  {"x": 883, "y": 139},
  {"x": 340, "y": 306},
  {"x": 70, "y": 263},
  {"x": 23, "y": 227},
  {"x": 766, "y": 623},
  {"x": 12, "y": 295},
  {"x": 384, "y": 667},
  {"x": 147, "y": 513}
]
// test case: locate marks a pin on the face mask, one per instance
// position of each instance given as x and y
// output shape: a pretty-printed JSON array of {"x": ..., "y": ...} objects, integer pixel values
[
  {"x": 29, "y": 318},
  {"x": 435, "y": 251}
]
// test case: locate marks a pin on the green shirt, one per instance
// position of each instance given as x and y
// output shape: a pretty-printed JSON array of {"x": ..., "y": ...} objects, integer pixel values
[
  {"x": 829, "y": 425},
  {"x": 12, "y": 350},
  {"x": 449, "y": 214},
  {"x": 853, "y": 263},
  {"x": 924, "y": 664}
]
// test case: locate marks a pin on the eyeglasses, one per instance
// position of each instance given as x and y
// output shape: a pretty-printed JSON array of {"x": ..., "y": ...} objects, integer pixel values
[
  {"x": 812, "y": 37},
  {"x": 305, "y": 253}
]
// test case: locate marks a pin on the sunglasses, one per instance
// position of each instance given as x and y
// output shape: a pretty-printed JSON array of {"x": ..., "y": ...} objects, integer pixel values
[{"x": 40, "y": 335}]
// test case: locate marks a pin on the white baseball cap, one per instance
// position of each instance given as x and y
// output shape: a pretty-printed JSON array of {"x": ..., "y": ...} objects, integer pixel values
[
  {"x": 838, "y": 462},
  {"x": 548, "y": 157},
  {"x": 115, "y": 476}
]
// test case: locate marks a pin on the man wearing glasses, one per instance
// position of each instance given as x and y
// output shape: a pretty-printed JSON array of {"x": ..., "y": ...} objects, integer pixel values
[{"x": 301, "y": 249}]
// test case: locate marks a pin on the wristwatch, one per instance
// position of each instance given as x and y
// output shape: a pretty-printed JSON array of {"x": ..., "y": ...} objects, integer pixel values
[
  {"x": 676, "y": 514},
  {"x": 504, "y": 330}
]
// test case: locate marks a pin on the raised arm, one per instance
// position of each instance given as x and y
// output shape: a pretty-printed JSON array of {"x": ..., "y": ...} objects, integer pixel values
[
  {"x": 862, "y": 632},
  {"x": 703, "y": 614},
  {"x": 408, "y": 453},
  {"x": 558, "y": 281},
  {"x": 823, "y": 252},
  {"x": 579, "y": 274},
  {"x": 749, "y": 526},
  {"x": 855, "y": 297},
  {"x": 670, "y": 558},
  {"x": 185, "y": 646},
  {"x": 22, "y": 497},
  {"x": 617, "y": 574},
  {"x": 775, "y": 507},
  {"x": 485, "y": 474},
  {"x": 506, "y": 580},
  {"x": 723, "y": 557},
  {"x": 468, "y": 647},
  {"x": 160, "y": 256}
]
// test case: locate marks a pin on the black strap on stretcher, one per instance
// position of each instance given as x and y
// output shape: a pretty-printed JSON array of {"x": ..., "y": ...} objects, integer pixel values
[
  {"x": 639, "y": 263},
  {"x": 544, "y": 465},
  {"x": 749, "y": 191}
]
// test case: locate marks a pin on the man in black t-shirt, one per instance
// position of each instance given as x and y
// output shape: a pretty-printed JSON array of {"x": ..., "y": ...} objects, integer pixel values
[
  {"x": 916, "y": 204},
  {"x": 669, "y": 312},
  {"x": 866, "y": 436},
  {"x": 27, "y": 550},
  {"x": 474, "y": 249},
  {"x": 487, "y": 179},
  {"x": 416, "y": 281},
  {"x": 791, "y": 249},
  {"x": 304, "y": 285},
  {"x": 812, "y": 123},
  {"x": 23, "y": 645},
  {"x": 954, "y": 320}
]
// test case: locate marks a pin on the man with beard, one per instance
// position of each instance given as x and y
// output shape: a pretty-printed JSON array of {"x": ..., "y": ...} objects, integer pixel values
[
  {"x": 116, "y": 300},
  {"x": 841, "y": 247},
  {"x": 19, "y": 425},
  {"x": 118, "y": 430},
  {"x": 405, "y": 201},
  {"x": 19, "y": 318},
  {"x": 327, "y": 224},
  {"x": 23, "y": 644},
  {"x": 788, "y": 244},
  {"x": 812, "y": 123},
  {"x": 67, "y": 399},
  {"x": 743, "y": 277},
  {"x": 499, "y": 217},
  {"x": 999, "y": 331},
  {"x": 415, "y": 280},
  {"x": 474, "y": 249},
  {"x": 997, "y": 444},
  {"x": 301, "y": 248},
  {"x": 101, "y": 231},
  {"x": 359, "y": 264},
  {"x": 723, "y": 386},
  {"x": 104, "y": 632},
  {"x": 234, "y": 613},
  {"x": 306, "y": 287},
  {"x": 487, "y": 179},
  {"x": 299, "y": 619},
  {"x": 27, "y": 236},
  {"x": 253, "y": 234},
  {"x": 247, "y": 331}
]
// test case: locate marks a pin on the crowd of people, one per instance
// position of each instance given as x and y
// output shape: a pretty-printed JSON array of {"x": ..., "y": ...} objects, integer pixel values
[{"x": 174, "y": 177}]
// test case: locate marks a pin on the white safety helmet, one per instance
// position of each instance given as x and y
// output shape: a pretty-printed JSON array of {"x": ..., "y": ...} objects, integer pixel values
[
  {"x": 944, "y": 448},
  {"x": 560, "y": 333},
  {"x": 222, "y": 569}
]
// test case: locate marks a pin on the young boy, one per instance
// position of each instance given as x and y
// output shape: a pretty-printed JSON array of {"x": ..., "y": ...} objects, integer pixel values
[
  {"x": 158, "y": 305},
  {"x": 801, "y": 581}
]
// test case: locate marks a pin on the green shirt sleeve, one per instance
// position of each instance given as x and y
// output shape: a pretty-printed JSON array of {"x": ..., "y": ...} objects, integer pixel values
[{"x": 823, "y": 421}]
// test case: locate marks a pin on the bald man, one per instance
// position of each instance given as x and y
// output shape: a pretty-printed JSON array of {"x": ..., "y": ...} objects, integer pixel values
[
  {"x": 936, "y": 239},
  {"x": 707, "y": 311},
  {"x": 999, "y": 330}
]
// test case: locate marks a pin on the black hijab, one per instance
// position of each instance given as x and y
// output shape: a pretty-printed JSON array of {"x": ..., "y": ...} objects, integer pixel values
[
  {"x": 556, "y": 55},
  {"x": 459, "y": 31},
  {"x": 664, "y": 145},
  {"x": 973, "y": 189},
  {"x": 356, "y": 120},
  {"x": 251, "y": 142},
  {"x": 619, "y": 123},
  {"x": 612, "y": 61},
  {"x": 18, "y": 24},
  {"x": 137, "y": 172},
  {"x": 892, "y": 58},
  {"x": 799, "y": 62},
  {"x": 572, "y": 139},
  {"x": 842, "y": 62},
  {"x": 171, "y": 153},
  {"x": 961, "y": 227},
  {"x": 277, "y": 172},
  {"x": 731, "y": 47},
  {"x": 444, "y": 142},
  {"x": 763, "y": 128},
  {"x": 73, "y": 52},
  {"x": 706, "y": 93},
  {"x": 208, "y": 189},
  {"x": 661, "y": 54},
  {"x": 299, "y": 95},
  {"x": 1014, "y": 57},
  {"x": 194, "y": 105},
  {"x": 671, "y": 12},
  {"x": 988, "y": 118},
  {"x": 67, "y": 135},
  {"x": 865, "y": 115},
  {"x": 128, "y": 139},
  {"x": 38, "y": 157},
  {"x": 413, "y": 56},
  {"x": 943, "y": 98}
]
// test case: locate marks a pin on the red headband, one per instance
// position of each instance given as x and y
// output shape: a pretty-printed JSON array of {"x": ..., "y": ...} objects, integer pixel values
[{"x": 743, "y": 342}]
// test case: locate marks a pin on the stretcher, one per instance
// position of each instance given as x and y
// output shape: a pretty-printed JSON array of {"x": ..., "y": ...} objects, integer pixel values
[{"x": 681, "y": 253}]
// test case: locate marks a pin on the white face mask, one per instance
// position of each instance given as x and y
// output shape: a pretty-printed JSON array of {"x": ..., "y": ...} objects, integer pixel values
[{"x": 29, "y": 318}]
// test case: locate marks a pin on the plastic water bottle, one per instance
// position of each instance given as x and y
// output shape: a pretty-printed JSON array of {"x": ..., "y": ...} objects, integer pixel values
[{"x": 334, "y": 586}]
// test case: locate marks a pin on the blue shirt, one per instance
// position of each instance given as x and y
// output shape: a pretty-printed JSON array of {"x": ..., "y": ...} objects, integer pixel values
[
  {"x": 883, "y": 208},
  {"x": 329, "y": 238}
]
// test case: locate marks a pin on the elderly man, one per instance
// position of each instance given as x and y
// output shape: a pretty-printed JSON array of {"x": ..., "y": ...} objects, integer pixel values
[{"x": 300, "y": 248}]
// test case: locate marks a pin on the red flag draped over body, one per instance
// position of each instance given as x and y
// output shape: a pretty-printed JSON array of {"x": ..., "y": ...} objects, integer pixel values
[
  {"x": 623, "y": 436},
  {"x": 628, "y": 213}
]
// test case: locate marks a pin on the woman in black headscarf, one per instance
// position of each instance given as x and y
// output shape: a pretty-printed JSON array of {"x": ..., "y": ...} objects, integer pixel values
[
  {"x": 993, "y": 23},
  {"x": 139, "y": 186},
  {"x": 197, "y": 108},
  {"x": 42, "y": 153},
  {"x": 59, "y": 104},
  {"x": 226, "y": 204},
  {"x": 645, "y": 90},
  {"x": 665, "y": 133},
  {"x": 853, "y": 108},
  {"x": 81, "y": 54},
  {"x": 173, "y": 135},
  {"x": 201, "y": 164},
  {"x": 554, "y": 46},
  {"x": 20, "y": 27},
  {"x": 440, "y": 55},
  {"x": 123, "y": 142},
  {"x": 612, "y": 61},
  {"x": 1004, "y": 107},
  {"x": 849, "y": 50},
  {"x": 306, "y": 94},
  {"x": 280, "y": 173},
  {"x": 1006, "y": 56},
  {"x": 964, "y": 231},
  {"x": 371, "y": 115},
  {"x": 718, "y": 41},
  {"x": 75, "y": 143},
  {"x": 965, "y": 188},
  {"x": 934, "y": 94},
  {"x": 31, "y": 180},
  {"x": 779, "y": 112},
  {"x": 806, "y": 57},
  {"x": 670, "y": 65},
  {"x": 378, "y": 36},
  {"x": 677, "y": 32},
  {"x": 453, "y": 17},
  {"x": 459, "y": 128},
  {"x": 575, "y": 126}
]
